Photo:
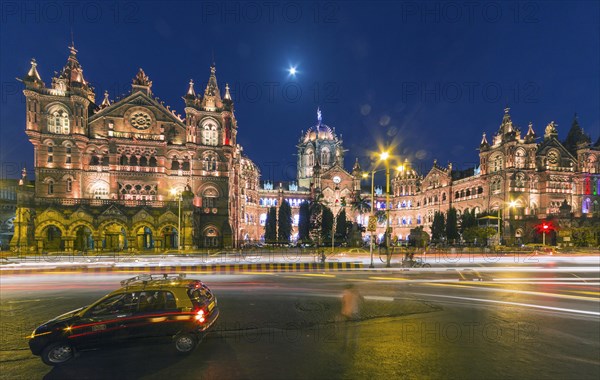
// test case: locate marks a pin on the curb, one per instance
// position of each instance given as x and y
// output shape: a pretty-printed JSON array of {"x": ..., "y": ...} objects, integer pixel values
[{"x": 214, "y": 268}]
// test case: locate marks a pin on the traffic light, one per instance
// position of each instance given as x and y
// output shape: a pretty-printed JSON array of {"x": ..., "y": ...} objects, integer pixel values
[{"x": 545, "y": 227}]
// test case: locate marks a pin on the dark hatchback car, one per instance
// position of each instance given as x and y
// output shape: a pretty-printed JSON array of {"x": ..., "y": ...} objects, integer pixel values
[{"x": 147, "y": 307}]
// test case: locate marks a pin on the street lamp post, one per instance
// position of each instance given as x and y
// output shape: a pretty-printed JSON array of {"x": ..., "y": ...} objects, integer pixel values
[
  {"x": 384, "y": 157},
  {"x": 372, "y": 215}
]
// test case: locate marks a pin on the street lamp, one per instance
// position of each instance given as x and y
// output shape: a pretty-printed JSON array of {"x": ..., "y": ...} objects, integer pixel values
[
  {"x": 365, "y": 175},
  {"x": 384, "y": 157},
  {"x": 179, "y": 196}
]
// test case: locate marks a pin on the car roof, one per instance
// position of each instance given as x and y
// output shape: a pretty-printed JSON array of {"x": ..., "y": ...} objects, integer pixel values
[{"x": 157, "y": 282}]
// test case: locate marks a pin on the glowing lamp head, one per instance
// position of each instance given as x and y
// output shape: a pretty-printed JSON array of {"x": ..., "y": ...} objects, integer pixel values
[
  {"x": 292, "y": 70},
  {"x": 384, "y": 156},
  {"x": 173, "y": 192}
]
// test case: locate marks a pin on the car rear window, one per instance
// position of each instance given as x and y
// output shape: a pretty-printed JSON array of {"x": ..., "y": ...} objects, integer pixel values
[{"x": 200, "y": 295}]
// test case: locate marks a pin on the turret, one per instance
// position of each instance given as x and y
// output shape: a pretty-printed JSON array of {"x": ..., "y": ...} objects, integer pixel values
[
  {"x": 33, "y": 79},
  {"x": 530, "y": 136},
  {"x": 212, "y": 96}
]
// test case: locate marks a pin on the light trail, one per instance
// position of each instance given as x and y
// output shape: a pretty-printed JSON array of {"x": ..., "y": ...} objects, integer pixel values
[{"x": 551, "y": 308}]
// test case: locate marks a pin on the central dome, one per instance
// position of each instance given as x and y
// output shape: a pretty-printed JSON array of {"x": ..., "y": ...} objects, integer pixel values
[{"x": 319, "y": 131}]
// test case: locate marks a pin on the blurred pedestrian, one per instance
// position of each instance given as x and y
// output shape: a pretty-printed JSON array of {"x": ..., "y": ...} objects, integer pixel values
[{"x": 351, "y": 304}]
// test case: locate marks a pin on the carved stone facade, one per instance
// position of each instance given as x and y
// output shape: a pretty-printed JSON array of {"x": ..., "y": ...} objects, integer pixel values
[{"x": 130, "y": 174}]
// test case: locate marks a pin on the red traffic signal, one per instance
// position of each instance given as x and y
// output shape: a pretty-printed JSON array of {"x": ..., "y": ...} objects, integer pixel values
[{"x": 544, "y": 226}]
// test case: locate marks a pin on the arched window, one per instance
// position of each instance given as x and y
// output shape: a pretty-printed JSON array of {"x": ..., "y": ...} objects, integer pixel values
[
  {"x": 210, "y": 134},
  {"x": 325, "y": 156},
  {"x": 209, "y": 197},
  {"x": 69, "y": 185},
  {"x": 210, "y": 162},
  {"x": 50, "y": 187},
  {"x": 50, "y": 154},
  {"x": 175, "y": 164},
  {"x": 100, "y": 191},
  {"x": 58, "y": 121},
  {"x": 520, "y": 158},
  {"x": 310, "y": 159}
]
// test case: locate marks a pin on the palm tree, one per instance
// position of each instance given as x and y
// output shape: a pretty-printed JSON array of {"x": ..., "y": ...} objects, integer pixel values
[{"x": 361, "y": 204}]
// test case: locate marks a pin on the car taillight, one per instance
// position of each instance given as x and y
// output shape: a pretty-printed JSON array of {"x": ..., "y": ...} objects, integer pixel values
[{"x": 200, "y": 316}]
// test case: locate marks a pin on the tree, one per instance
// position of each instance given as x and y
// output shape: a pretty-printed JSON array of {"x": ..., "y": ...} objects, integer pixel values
[
  {"x": 438, "y": 227},
  {"x": 316, "y": 208},
  {"x": 304, "y": 222},
  {"x": 452, "y": 225},
  {"x": 361, "y": 205},
  {"x": 284, "y": 223},
  {"x": 467, "y": 219},
  {"x": 418, "y": 237},
  {"x": 341, "y": 228},
  {"x": 271, "y": 226},
  {"x": 326, "y": 223},
  {"x": 479, "y": 235}
]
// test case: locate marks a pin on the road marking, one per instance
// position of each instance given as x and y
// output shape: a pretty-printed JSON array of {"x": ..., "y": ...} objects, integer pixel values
[
  {"x": 388, "y": 278},
  {"x": 585, "y": 312},
  {"x": 316, "y": 275}
]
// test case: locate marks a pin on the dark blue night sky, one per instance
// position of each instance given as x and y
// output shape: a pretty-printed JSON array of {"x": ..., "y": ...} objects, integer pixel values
[{"x": 429, "y": 78}]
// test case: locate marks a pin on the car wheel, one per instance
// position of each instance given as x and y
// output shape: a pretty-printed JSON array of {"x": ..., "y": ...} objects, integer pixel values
[
  {"x": 57, "y": 353},
  {"x": 185, "y": 343},
  {"x": 426, "y": 265}
]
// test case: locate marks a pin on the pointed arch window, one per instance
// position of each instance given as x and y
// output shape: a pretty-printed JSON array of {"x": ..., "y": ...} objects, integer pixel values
[
  {"x": 58, "y": 121},
  {"x": 50, "y": 187},
  {"x": 325, "y": 154},
  {"x": 210, "y": 134},
  {"x": 69, "y": 185},
  {"x": 520, "y": 158},
  {"x": 310, "y": 159}
]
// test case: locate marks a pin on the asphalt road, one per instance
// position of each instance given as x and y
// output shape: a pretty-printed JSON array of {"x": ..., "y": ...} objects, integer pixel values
[{"x": 536, "y": 323}]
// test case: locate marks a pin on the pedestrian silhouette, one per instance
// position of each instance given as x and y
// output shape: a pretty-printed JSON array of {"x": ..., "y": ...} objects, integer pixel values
[{"x": 351, "y": 305}]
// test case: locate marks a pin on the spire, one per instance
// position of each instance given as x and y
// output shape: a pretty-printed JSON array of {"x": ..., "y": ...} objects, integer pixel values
[
  {"x": 506, "y": 126},
  {"x": 484, "y": 143},
  {"x": 141, "y": 82},
  {"x": 212, "y": 89},
  {"x": 356, "y": 167},
  {"x": 319, "y": 116},
  {"x": 227, "y": 94},
  {"x": 71, "y": 77},
  {"x": 530, "y": 136},
  {"x": 32, "y": 74},
  {"x": 576, "y": 137},
  {"x": 106, "y": 101},
  {"x": 190, "y": 92}
]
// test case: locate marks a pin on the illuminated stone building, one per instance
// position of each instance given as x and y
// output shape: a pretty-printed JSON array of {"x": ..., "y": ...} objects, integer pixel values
[{"x": 130, "y": 174}]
